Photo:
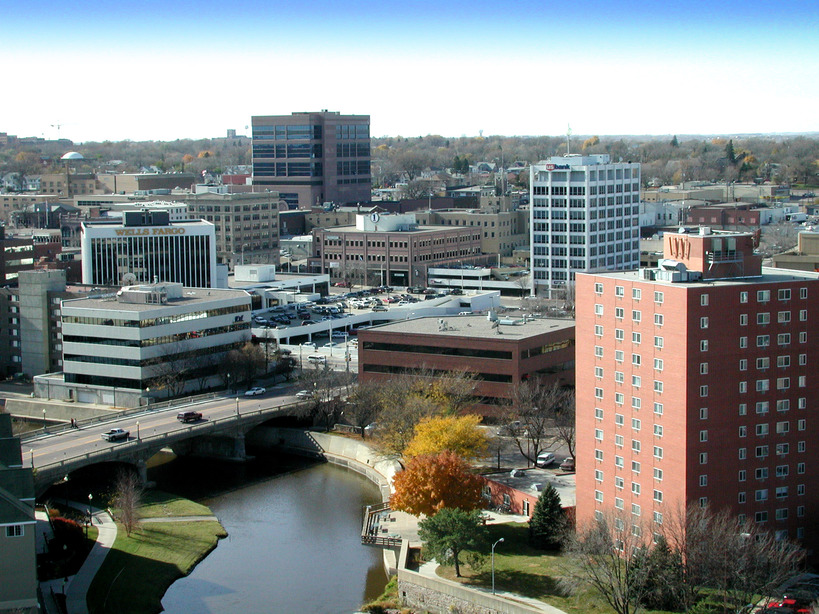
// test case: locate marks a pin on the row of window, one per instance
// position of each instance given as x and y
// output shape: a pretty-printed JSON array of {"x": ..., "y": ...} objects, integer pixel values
[{"x": 762, "y": 296}]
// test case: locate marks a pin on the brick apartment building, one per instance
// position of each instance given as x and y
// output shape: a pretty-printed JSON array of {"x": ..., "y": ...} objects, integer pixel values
[{"x": 696, "y": 385}]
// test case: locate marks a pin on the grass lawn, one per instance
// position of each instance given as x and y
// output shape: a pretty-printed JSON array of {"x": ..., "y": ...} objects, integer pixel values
[
  {"x": 159, "y": 504},
  {"x": 521, "y": 569},
  {"x": 140, "y": 568}
]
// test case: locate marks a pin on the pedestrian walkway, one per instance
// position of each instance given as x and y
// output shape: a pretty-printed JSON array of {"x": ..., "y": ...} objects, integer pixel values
[{"x": 76, "y": 587}]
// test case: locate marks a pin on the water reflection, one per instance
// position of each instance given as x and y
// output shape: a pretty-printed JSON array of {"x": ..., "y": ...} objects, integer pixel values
[{"x": 293, "y": 544}]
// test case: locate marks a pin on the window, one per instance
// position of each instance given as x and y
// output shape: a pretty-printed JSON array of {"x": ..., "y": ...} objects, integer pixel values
[
  {"x": 636, "y": 337},
  {"x": 703, "y": 368},
  {"x": 743, "y": 452},
  {"x": 636, "y": 294},
  {"x": 15, "y": 530},
  {"x": 763, "y": 318},
  {"x": 784, "y": 294},
  {"x": 619, "y": 355},
  {"x": 619, "y": 419},
  {"x": 658, "y": 386},
  {"x": 743, "y": 342},
  {"x": 761, "y": 494},
  {"x": 598, "y": 434},
  {"x": 785, "y": 338},
  {"x": 598, "y": 413},
  {"x": 658, "y": 342},
  {"x": 703, "y": 458},
  {"x": 618, "y": 441},
  {"x": 619, "y": 313},
  {"x": 658, "y": 409},
  {"x": 704, "y": 345},
  {"x": 743, "y": 319},
  {"x": 598, "y": 496},
  {"x": 658, "y": 474},
  {"x": 598, "y": 288},
  {"x": 743, "y": 409},
  {"x": 741, "y": 475},
  {"x": 598, "y": 393},
  {"x": 761, "y": 473},
  {"x": 762, "y": 407},
  {"x": 763, "y": 296},
  {"x": 635, "y": 381},
  {"x": 598, "y": 309},
  {"x": 658, "y": 430},
  {"x": 598, "y": 351},
  {"x": 803, "y": 337},
  {"x": 761, "y": 430},
  {"x": 743, "y": 431},
  {"x": 703, "y": 436},
  {"x": 743, "y": 387},
  {"x": 800, "y": 468},
  {"x": 741, "y": 497},
  {"x": 618, "y": 290},
  {"x": 704, "y": 322},
  {"x": 763, "y": 341},
  {"x": 635, "y": 488},
  {"x": 635, "y": 445},
  {"x": 781, "y": 514},
  {"x": 763, "y": 363},
  {"x": 703, "y": 480},
  {"x": 783, "y": 383},
  {"x": 761, "y": 516},
  {"x": 761, "y": 451},
  {"x": 658, "y": 517},
  {"x": 635, "y": 509},
  {"x": 802, "y": 403},
  {"x": 658, "y": 452},
  {"x": 618, "y": 461},
  {"x": 704, "y": 300},
  {"x": 781, "y": 492},
  {"x": 801, "y": 424},
  {"x": 618, "y": 503},
  {"x": 782, "y": 428},
  {"x": 743, "y": 364},
  {"x": 783, "y": 361},
  {"x": 598, "y": 475},
  {"x": 635, "y": 424},
  {"x": 619, "y": 334},
  {"x": 658, "y": 297},
  {"x": 782, "y": 448},
  {"x": 598, "y": 455},
  {"x": 800, "y": 489},
  {"x": 803, "y": 293},
  {"x": 743, "y": 297},
  {"x": 635, "y": 467},
  {"x": 704, "y": 391},
  {"x": 635, "y": 402},
  {"x": 783, "y": 317},
  {"x": 763, "y": 385},
  {"x": 598, "y": 372},
  {"x": 658, "y": 497},
  {"x": 619, "y": 398},
  {"x": 658, "y": 364},
  {"x": 703, "y": 413},
  {"x": 598, "y": 330},
  {"x": 635, "y": 315}
]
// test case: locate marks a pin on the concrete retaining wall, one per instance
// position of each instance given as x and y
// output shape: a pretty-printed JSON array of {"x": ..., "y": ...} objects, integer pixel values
[
  {"x": 58, "y": 412},
  {"x": 439, "y": 596}
]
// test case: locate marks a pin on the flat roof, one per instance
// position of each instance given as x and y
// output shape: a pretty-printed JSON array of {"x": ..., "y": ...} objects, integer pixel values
[
  {"x": 417, "y": 230},
  {"x": 190, "y": 296},
  {"x": 769, "y": 275},
  {"x": 476, "y": 326}
]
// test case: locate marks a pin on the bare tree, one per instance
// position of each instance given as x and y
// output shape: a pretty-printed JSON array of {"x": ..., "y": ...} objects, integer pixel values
[
  {"x": 532, "y": 418},
  {"x": 364, "y": 405},
  {"x": 608, "y": 557},
  {"x": 127, "y": 499}
]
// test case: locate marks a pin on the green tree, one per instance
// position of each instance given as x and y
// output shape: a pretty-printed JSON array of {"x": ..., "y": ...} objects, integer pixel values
[
  {"x": 729, "y": 152},
  {"x": 548, "y": 521},
  {"x": 665, "y": 582},
  {"x": 675, "y": 142},
  {"x": 451, "y": 531}
]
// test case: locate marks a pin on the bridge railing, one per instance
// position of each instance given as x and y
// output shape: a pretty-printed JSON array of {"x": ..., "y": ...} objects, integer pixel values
[
  {"x": 142, "y": 409},
  {"x": 54, "y": 470}
]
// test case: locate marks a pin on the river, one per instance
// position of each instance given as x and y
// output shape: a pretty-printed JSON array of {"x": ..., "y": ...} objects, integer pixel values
[{"x": 293, "y": 540}]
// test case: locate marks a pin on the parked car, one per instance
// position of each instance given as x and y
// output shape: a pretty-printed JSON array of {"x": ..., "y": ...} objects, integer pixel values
[
  {"x": 255, "y": 391},
  {"x": 544, "y": 459},
  {"x": 567, "y": 465},
  {"x": 380, "y": 308},
  {"x": 317, "y": 358},
  {"x": 342, "y": 284},
  {"x": 189, "y": 416},
  {"x": 309, "y": 344},
  {"x": 338, "y": 334},
  {"x": 304, "y": 394},
  {"x": 116, "y": 435}
]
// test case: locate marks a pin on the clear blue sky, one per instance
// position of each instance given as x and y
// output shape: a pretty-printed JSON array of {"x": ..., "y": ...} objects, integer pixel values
[{"x": 167, "y": 70}]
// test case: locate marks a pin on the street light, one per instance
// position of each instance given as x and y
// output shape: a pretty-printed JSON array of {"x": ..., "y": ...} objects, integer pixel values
[
  {"x": 31, "y": 451},
  {"x": 137, "y": 430},
  {"x": 493, "y": 563},
  {"x": 237, "y": 405},
  {"x": 90, "y": 497},
  {"x": 44, "y": 418}
]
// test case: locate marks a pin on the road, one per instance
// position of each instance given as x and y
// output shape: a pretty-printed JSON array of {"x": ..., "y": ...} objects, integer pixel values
[{"x": 52, "y": 448}]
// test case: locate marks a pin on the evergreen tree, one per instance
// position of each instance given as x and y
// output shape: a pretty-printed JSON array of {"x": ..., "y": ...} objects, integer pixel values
[
  {"x": 675, "y": 142},
  {"x": 729, "y": 152},
  {"x": 548, "y": 521}
]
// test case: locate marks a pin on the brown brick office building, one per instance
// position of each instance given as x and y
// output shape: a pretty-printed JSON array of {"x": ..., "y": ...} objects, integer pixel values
[{"x": 501, "y": 356}]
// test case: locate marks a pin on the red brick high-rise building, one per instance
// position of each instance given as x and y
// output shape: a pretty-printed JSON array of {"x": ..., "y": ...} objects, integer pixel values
[{"x": 697, "y": 385}]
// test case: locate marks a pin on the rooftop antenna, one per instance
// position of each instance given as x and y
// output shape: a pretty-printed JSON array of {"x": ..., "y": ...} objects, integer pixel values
[{"x": 568, "y": 140}]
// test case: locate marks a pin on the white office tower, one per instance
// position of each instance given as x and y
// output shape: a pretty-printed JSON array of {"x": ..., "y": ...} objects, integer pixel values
[{"x": 584, "y": 217}]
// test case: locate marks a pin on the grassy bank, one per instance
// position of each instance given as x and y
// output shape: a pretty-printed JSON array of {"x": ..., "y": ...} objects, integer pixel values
[
  {"x": 526, "y": 571},
  {"x": 140, "y": 568}
]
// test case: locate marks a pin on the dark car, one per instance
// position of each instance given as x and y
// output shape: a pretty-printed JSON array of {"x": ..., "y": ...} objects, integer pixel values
[{"x": 189, "y": 416}]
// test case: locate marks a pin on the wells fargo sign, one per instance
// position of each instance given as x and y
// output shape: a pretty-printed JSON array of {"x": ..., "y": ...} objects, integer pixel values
[{"x": 144, "y": 232}]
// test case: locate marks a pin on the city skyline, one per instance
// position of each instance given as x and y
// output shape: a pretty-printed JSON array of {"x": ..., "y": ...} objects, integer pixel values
[{"x": 159, "y": 72}]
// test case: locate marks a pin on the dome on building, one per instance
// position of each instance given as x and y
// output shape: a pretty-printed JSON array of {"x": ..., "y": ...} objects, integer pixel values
[{"x": 73, "y": 155}]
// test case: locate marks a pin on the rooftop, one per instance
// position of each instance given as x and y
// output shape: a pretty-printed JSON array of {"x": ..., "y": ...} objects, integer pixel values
[
  {"x": 477, "y": 326},
  {"x": 190, "y": 297},
  {"x": 769, "y": 275}
]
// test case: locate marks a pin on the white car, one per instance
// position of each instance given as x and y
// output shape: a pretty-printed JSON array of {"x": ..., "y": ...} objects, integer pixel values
[
  {"x": 253, "y": 392},
  {"x": 309, "y": 344},
  {"x": 337, "y": 334},
  {"x": 304, "y": 394},
  {"x": 116, "y": 435},
  {"x": 544, "y": 459}
]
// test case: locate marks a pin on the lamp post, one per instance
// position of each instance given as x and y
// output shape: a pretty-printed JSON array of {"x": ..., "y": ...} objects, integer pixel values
[
  {"x": 237, "y": 405},
  {"x": 90, "y": 497},
  {"x": 493, "y": 563},
  {"x": 31, "y": 451},
  {"x": 137, "y": 425},
  {"x": 44, "y": 418}
]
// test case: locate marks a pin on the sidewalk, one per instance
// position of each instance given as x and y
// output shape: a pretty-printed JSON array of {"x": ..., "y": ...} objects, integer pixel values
[{"x": 76, "y": 587}]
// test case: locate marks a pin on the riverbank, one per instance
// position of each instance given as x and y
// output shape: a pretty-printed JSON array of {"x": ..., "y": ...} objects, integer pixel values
[{"x": 139, "y": 568}]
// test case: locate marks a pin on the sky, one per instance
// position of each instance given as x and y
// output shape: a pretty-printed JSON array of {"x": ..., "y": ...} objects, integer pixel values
[{"x": 154, "y": 70}]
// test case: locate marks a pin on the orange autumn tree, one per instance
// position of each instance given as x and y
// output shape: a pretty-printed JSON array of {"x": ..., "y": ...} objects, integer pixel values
[
  {"x": 459, "y": 434},
  {"x": 431, "y": 482}
]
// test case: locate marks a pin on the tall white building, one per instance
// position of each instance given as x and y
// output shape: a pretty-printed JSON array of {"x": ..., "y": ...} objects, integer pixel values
[
  {"x": 146, "y": 247},
  {"x": 585, "y": 213}
]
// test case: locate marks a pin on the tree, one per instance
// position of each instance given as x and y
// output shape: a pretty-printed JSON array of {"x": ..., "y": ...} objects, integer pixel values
[
  {"x": 451, "y": 531},
  {"x": 729, "y": 152},
  {"x": 548, "y": 523},
  {"x": 432, "y": 482},
  {"x": 460, "y": 435},
  {"x": 675, "y": 142},
  {"x": 363, "y": 405},
  {"x": 127, "y": 499},
  {"x": 535, "y": 406},
  {"x": 608, "y": 557}
]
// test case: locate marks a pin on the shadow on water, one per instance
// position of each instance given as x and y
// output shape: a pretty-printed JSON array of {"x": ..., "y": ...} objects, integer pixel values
[{"x": 293, "y": 540}]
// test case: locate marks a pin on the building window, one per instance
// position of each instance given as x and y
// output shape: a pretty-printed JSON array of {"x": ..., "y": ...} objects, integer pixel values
[
  {"x": 635, "y": 509},
  {"x": 784, "y": 294},
  {"x": 703, "y": 458},
  {"x": 703, "y": 413},
  {"x": 635, "y": 380},
  {"x": 598, "y": 330},
  {"x": 658, "y": 430},
  {"x": 598, "y": 455},
  {"x": 761, "y": 451},
  {"x": 704, "y": 345},
  {"x": 619, "y": 291},
  {"x": 635, "y": 467},
  {"x": 658, "y": 409},
  {"x": 761, "y": 473},
  {"x": 598, "y": 413},
  {"x": 635, "y": 445},
  {"x": 658, "y": 342},
  {"x": 598, "y": 475},
  {"x": 658, "y": 517},
  {"x": 703, "y": 368},
  {"x": 618, "y": 503},
  {"x": 763, "y": 318},
  {"x": 635, "y": 315},
  {"x": 763, "y": 296},
  {"x": 704, "y": 391},
  {"x": 598, "y": 393},
  {"x": 619, "y": 355},
  {"x": 658, "y": 297},
  {"x": 741, "y": 475},
  {"x": 743, "y": 319},
  {"x": 635, "y": 424},
  {"x": 741, "y": 497},
  {"x": 703, "y": 480},
  {"x": 743, "y": 342},
  {"x": 703, "y": 436},
  {"x": 636, "y": 338},
  {"x": 743, "y": 431},
  {"x": 658, "y": 386},
  {"x": 15, "y": 530},
  {"x": 658, "y": 452},
  {"x": 803, "y": 293},
  {"x": 619, "y": 334},
  {"x": 743, "y": 297},
  {"x": 635, "y": 488},
  {"x": 783, "y": 428},
  {"x": 761, "y": 430},
  {"x": 658, "y": 474},
  {"x": 619, "y": 313},
  {"x": 598, "y": 496},
  {"x": 598, "y": 351},
  {"x": 598, "y": 434},
  {"x": 658, "y": 364},
  {"x": 761, "y": 516},
  {"x": 598, "y": 288},
  {"x": 618, "y": 461},
  {"x": 704, "y": 322},
  {"x": 598, "y": 309},
  {"x": 742, "y": 453}
]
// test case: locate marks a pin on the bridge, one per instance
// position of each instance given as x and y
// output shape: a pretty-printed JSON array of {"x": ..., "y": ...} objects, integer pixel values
[{"x": 58, "y": 451}]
